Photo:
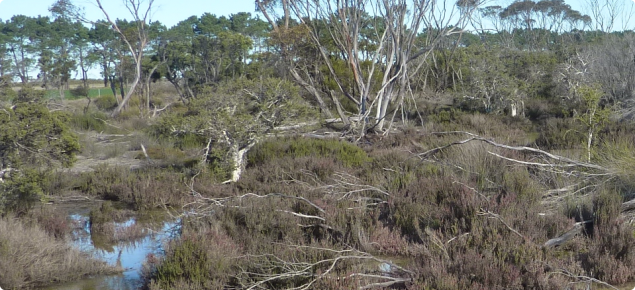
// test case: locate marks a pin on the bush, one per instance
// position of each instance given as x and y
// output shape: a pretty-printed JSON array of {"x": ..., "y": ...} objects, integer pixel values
[
  {"x": 141, "y": 189},
  {"x": 106, "y": 102},
  {"x": 341, "y": 151},
  {"x": 204, "y": 258},
  {"x": 80, "y": 91},
  {"x": 93, "y": 121}
]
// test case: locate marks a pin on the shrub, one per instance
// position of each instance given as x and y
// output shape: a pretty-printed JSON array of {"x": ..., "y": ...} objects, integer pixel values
[
  {"x": 141, "y": 189},
  {"x": 80, "y": 91},
  {"x": 93, "y": 121},
  {"x": 106, "y": 102},
  {"x": 341, "y": 151},
  {"x": 204, "y": 258}
]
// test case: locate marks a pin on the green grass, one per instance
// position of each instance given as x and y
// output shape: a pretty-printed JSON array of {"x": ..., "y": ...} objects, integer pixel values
[{"x": 92, "y": 93}]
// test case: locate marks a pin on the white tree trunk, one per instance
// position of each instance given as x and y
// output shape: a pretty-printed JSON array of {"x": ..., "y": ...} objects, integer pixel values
[{"x": 238, "y": 157}]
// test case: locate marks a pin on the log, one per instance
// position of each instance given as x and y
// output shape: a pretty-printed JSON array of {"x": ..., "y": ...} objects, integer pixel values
[{"x": 569, "y": 235}]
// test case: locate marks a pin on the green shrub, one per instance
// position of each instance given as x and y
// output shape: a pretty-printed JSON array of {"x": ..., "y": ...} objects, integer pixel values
[
  {"x": 79, "y": 91},
  {"x": 21, "y": 190},
  {"x": 346, "y": 153},
  {"x": 92, "y": 121},
  {"x": 106, "y": 102}
]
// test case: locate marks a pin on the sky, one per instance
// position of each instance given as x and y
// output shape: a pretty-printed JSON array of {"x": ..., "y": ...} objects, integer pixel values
[{"x": 168, "y": 12}]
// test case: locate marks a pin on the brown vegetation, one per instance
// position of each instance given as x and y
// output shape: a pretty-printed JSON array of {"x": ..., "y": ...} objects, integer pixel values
[
  {"x": 469, "y": 216},
  {"x": 30, "y": 257}
]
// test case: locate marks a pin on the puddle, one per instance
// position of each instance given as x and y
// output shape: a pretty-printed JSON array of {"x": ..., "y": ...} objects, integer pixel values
[{"x": 129, "y": 254}]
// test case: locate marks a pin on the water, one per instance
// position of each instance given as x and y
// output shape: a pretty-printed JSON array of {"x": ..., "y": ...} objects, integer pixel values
[{"x": 130, "y": 254}]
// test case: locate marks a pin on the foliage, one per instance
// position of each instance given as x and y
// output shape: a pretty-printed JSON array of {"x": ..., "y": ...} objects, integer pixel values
[
  {"x": 346, "y": 153},
  {"x": 94, "y": 121},
  {"x": 233, "y": 116},
  {"x": 31, "y": 134},
  {"x": 31, "y": 139}
]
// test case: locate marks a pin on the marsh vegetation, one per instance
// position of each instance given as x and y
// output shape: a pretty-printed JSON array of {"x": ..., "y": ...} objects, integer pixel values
[{"x": 293, "y": 158}]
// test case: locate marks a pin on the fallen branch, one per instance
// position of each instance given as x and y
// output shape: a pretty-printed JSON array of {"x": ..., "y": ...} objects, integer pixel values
[
  {"x": 584, "y": 279},
  {"x": 570, "y": 234},
  {"x": 565, "y": 162},
  {"x": 499, "y": 218},
  {"x": 276, "y": 269}
]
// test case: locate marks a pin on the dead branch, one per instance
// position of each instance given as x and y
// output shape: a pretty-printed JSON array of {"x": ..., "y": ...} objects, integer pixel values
[
  {"x": 570, "y": 234},
  {"x": 582, "y": 279},
  {"x": 499, "y": 218},
  {"x": 226, "y": 201},
  {"x": 278, "y": 269},
  {"x": 562, "y": 161},
  {"x": 344, "y": 186}
]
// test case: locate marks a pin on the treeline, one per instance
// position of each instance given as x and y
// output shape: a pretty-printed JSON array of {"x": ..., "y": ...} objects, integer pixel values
[{"x": 491, "y": 59}]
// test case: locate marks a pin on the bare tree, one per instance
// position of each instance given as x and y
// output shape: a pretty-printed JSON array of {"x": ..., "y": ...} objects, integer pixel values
[
  {"x": 396, "y": 37},
  {"x": 140, "y": 11},
  {"x": 606, "y": 13}
]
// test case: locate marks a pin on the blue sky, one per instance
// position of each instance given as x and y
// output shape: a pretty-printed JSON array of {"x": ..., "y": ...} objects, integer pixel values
[{"x": 169, "y": 12}]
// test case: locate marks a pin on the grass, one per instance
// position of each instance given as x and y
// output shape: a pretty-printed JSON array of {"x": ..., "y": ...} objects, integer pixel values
[
  {"x": 92, "y": 93},
  {"x": 29, "y": 257}
]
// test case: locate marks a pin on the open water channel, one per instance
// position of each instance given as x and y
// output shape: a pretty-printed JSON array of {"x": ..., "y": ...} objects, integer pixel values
[{"x": 158, "y": 229}]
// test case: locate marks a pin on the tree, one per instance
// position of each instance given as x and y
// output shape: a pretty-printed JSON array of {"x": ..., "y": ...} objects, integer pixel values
[
  {"x": 605, "y": 13},
  {"x": 236, "y": 115},
  {"x": 21, "y": 40},
  {"x": 136, "y": 46},
  {"x": 396, "y": 48},
  {"x": 135, "y": 41},
  {"x": 103, "y": 42}
]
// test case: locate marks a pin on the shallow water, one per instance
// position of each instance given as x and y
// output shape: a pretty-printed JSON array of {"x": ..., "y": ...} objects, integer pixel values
[{"x": 129, "y": 255}]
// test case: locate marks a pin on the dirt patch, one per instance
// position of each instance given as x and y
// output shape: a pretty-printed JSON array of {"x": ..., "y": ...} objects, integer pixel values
[
  {"x": 84, "y": 164},
  {"x": 107, "y": 150}
]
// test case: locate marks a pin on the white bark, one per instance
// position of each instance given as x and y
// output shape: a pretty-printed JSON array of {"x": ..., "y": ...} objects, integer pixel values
[
  {"x": 238, "y": 157},
  {"x": 134, "y": 7}
]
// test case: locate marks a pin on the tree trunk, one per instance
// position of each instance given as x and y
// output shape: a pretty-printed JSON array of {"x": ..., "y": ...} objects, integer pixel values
[{"x": 238, "y": 156}]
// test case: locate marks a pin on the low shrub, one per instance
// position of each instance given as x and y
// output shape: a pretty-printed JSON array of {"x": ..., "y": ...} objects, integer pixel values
[
  {"x": 142, "y": 189},
  {"x": 205, "y": 258},
  {"x": 346, "y": 153},
  {"x": 105, "y": 102},
  {"x": 92, "y": 121},
  {"x": 79, "y": 91}
]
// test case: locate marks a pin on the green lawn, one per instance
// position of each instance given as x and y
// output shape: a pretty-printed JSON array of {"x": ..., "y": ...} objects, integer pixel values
[{"x": 92, "y": 93}]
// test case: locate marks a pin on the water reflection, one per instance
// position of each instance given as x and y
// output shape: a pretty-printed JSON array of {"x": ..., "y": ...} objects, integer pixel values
[{"x": 128, "y": 253}]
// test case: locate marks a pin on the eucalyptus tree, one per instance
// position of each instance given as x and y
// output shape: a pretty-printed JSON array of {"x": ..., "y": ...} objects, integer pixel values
[
  {"x": 396, "y": 46},
  {"x": 141, "y": 12}
]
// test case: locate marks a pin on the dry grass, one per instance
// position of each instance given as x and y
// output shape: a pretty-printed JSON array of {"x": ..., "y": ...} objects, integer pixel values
[{"x": 30, "y": 257}]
